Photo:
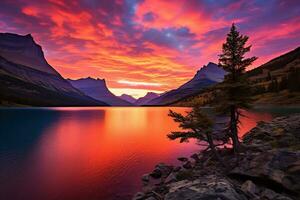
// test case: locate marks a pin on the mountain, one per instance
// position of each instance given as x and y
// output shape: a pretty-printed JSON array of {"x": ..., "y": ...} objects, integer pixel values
[
  {"x": 127, "y": 98},
  {"x": 97, "y": 89},
  {"x": 208, "y": 75},
  {"x": 276, "y": 67},
  {"x": 27, "y": 79},
  {"x": 147, "y": 98},
  {"x": 277, "y": 82}
]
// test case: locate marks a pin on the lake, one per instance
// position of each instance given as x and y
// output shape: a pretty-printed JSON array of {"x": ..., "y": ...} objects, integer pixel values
[{"x": 90, "y": 153}]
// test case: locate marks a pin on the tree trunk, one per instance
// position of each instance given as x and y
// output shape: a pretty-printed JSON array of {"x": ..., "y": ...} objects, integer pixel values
[
  {"x": 213, "y": 149},
  {"x": 233, "y": 129}
]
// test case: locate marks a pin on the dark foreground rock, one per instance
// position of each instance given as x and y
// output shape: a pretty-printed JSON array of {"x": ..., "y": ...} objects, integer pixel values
[{"x": 267, "y": 168}]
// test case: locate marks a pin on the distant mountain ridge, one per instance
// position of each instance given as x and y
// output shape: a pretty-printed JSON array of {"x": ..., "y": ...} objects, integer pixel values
[
  {"x": 208, "y": 75},
  {"x": 26, "y": 77},
  {"x": 97, "y": 89},
  {"x": 147, "y": 98},
  {"x": 128, "y": 98}
]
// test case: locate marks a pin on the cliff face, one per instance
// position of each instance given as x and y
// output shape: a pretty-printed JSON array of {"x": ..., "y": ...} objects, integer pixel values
[
  {"x": 97, "y": 89},
  {"x": 24, "y": 51},
  {"x": 25, "y": 75}
]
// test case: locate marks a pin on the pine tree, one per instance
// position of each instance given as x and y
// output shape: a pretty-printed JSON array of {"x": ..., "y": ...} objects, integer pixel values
[
  {"x": 198, "y": 126},
  {"x": 235, "y": 89}
]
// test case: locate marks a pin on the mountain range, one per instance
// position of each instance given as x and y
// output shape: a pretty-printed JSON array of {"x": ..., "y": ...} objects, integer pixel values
[{"x": 26, "y": 78}]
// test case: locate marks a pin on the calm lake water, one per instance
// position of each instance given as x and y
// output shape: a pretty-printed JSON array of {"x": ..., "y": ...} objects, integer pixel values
[{"x": 89, "y": 153}]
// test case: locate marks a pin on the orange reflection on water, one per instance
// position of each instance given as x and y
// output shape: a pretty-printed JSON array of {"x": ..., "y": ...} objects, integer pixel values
[
  {"x": 101, "y": 153},
  {"x": 96, "y": 149}
]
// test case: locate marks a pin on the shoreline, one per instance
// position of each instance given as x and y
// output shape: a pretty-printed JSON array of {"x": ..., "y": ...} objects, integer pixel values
[{"x": 268, "y": 168}]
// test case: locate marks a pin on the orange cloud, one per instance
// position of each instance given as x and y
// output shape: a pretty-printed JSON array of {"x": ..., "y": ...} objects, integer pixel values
[{"x": 160, "y": 42}]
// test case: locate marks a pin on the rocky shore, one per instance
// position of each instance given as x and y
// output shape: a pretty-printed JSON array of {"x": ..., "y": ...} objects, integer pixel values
[{"x": 267, "y": 168}]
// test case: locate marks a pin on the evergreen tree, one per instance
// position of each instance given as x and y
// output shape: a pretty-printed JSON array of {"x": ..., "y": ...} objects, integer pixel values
[
  {"x": 198, "y": 126},
  {"x": 235, "y": 89}
]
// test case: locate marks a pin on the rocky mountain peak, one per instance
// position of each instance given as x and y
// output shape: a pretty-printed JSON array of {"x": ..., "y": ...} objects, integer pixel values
[
  {"x": 210, "y": 71},
  {"x": 22, "y": 49},
  {"x": 89, "y": 82}
]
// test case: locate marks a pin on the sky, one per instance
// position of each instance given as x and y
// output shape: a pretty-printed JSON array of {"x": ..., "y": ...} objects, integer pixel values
[{"x": 148, "y": 45}]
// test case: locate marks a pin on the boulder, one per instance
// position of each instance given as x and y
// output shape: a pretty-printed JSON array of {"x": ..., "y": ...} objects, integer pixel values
[
  {"x": 183, "y": 159},
  {"x": 139, "y": 196},
  {"x": 268, "y": 194},
  {"x": 272, "y": 154},
  {"x": 208, "y": 187},
  {"x": 195, "y": 157},
  {"x": 177, "y": 169},
  {"x": 145, "y": 178},
  {"x": 250, "y": 188},
  {"x": 280, "y": 168},
  {"x": 162, "y": 170},
  {"x": 171, "y": 178},
  {"x": 281, "y": 132},
  {"x": 187, "y": 165}
]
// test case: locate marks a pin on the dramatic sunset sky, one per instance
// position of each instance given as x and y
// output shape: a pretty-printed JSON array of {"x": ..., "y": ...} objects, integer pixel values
[{"x": 148, "y": 45}]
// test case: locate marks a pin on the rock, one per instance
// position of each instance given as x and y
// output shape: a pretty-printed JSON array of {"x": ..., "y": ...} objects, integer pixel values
[
  {"x": 195, "y": 157},
  {"x": 249, "y": 187},
  {"x": 269, "y": 159},
  {"x": 171, "y": 178},
  {"x": 151, "y": 198},
  {"x": 177, "y": 169},
  {"x": 272, "y": 153},
  {"x": 139, "y": 196},
  {"x": 183, "y": 159},
  {"x": 156, "y": 173},
  {"x": 272, "y": 166},
  {"x": 187, "y": 165},
  {"x": 208, "y": 187},
  {"x": 162, "y": 170},
  {"x": 145, "y": 178},
  {"x": 281, "y": 132},
  {"x": 271, "y": 195}
]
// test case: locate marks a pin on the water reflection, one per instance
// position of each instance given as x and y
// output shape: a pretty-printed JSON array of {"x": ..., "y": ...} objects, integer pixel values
[{"x": 86, "y": 153}]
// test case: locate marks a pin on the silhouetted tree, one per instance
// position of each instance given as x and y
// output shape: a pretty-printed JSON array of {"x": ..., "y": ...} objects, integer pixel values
[
  {"x": 199, "y": 126},
  {"x": 235, "y": 88}
]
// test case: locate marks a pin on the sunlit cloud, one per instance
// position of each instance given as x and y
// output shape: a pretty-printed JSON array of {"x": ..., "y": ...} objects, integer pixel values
[
  {"x": 148, "y": 45},
  {"x": 134, "y": 83}
]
